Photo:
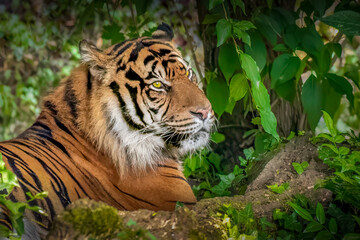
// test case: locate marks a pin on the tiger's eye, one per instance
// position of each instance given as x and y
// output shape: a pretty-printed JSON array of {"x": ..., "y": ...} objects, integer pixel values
[
  {"x": 157, "y": 84},
  {"x": 187, "y": 73}
]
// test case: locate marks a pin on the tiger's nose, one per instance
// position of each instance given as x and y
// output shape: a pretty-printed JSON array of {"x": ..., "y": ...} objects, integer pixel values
[{"x": 201, "y": 113}]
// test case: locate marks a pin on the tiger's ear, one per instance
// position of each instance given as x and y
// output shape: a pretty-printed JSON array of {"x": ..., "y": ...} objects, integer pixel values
[
  {"x": 163, "y": 32},
  {"x": 93, "y": 57}
]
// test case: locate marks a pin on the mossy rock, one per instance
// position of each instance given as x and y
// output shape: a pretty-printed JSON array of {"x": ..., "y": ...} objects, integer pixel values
[{"x": 88, "y": 219}]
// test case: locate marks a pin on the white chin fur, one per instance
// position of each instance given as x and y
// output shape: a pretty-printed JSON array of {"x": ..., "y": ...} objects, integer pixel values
[{"x": 194, "y": 142}]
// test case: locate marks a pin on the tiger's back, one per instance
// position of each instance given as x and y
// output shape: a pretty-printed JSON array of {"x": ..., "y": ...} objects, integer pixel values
[{"x": 114, "y": 130}]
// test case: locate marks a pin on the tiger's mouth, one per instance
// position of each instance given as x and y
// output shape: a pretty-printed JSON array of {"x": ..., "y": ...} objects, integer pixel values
[{"x": 191, "y": 139}]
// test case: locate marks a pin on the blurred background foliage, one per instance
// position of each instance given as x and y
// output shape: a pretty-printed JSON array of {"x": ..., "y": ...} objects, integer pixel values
[{"x": 268, "y": 67}]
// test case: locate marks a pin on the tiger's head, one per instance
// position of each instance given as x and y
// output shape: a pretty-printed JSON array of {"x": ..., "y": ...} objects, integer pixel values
[{"x": 145, "y": 104}]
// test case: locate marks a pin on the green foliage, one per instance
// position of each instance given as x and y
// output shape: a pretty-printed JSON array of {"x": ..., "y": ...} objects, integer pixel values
[
  {"x": 8, "y": 181},
  {"x": 279, "y": 189},
  {"x": 300, "y": 167},
  {"x": 206, "y": 168},
  {"x": 308, "y": 222},
  {"x": 241, "y": 224},
  {"x": 344, "y": 183}
]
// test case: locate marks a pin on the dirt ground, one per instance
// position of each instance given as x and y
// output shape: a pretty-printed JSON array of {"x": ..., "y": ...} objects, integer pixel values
[{"x": 201, "y": 222}]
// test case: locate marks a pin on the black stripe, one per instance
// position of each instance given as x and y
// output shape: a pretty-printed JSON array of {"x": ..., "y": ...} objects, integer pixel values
[
  {"x": 147, "y": 92},
  {"x": 135, "y": 52},
  {"x": 156, "y": 54},
  {"x": 167, "y": 108},
  {"x": 132, "y": 75},
  {"x": 122, "y": 68},
  {"x": 130, "y": 195},
  {"x": 115, "y": 88},
  {"x": 164, "y": 51},
  {"x": 148, "y": 59},
  {"x": 117, "y": 46},
  {"x": 49, "y": 105},
  {"x": 167, "y": 166},
  {"x": 46, "y": 130},
  {"x": 150, "y": 43},
  {"x": 123, "y": 49},
  {"x": 89, "y": 82},
  {"x": 63, "y": 127},
  {"x": 133, "y": 93},
  {"x": 173, "y": 176},
  {"x": 71, "y": 100}
]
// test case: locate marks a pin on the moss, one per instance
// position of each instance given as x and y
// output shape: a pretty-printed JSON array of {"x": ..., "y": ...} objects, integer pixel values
[{"x": 100, "y": 221}]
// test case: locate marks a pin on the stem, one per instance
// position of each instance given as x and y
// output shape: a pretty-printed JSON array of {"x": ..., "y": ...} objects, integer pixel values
[
  {"x": 132, "y": 12},
  {"x": 108, "y": 11}
]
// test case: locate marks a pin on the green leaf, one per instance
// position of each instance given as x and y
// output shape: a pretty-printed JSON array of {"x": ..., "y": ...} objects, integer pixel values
[
  {"x": 218, "y": 94},
  {"x": 238, "y": 87},
  {"x": 278, "y": 189},
  {"x": 301, "y": 211},
  {"x": 228, "y": 61},
  {"x": 217, "y": 137},
  {"x": 283, "y": 69},
  {"x": 313, "y": 227},
  {"x": 243, "y": 25},
  {"x": 344, "y": 151},
  {"x": 333, "y": 226},
  {"x": 283, "y": 72},
  {"x": 352, "y": 236},
  {"x": 141, "y": 6},
  {"x": 342, "y": 86},
  {"x": 323, "y": 235},
  {"x": 223, "y": 31},
  {"x": 211, "y": 18},
  {"x": 268, "y": 27},
  {"x": 329, "y": 124},
  {"x": 346, "y": 21},
  {"x": 112, "y": 32},
  {"x": 280, "y": 48},
  {"x": 214, "y": 3},
  {"x": 320, "y": 214},
  {"x": 304, "y": 165},
  {"x": 260, "y": 95},
  {"x": 238, "y": 3},
  {"x": 311, "y": 98},
  {"x": 298, "y": 168},
  {"x": 257, "y": 50}
]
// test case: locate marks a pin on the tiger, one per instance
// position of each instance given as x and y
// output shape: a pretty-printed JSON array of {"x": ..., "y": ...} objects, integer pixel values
[{"x": 114, "y": 131}]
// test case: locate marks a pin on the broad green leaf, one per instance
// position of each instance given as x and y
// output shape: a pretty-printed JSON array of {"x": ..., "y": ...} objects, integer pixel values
[
  {"x": 243, "y": 36},
  {"x": 339, "y": 139},
  {"x": 342, "y": 86},
  {"x": 243, "y": 25},
  {"x": 228, "y": 61},
  {"x": 214, "y": 3},
  {"x": 290, "y": 36},
  {"x": 314, "y": 227},
  {"x": 218, "y": 137},
  {"x": 329, "y": 124},
  {"x": 238, "y": 87},
  {"x": 310, "y": 41},
  {"x": 260, "y": 95},
  {"x": 223, "y": 31},
  {"x": 347, "y": 21},
  {"x": 320, "y": 214},
  {"x": 257, "y": 50},
  {"x": 218, "y": 94},
  {"x": 312, "y": 100},
  {"x": 283, "y": 69},
  {"x": 301, "y": 211},
  {"x": 334, "y": 47},
  {"x": 268, "y": 27},
  {"x": 333, "y": 226},
  {"x": 344, "y": 150}
]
